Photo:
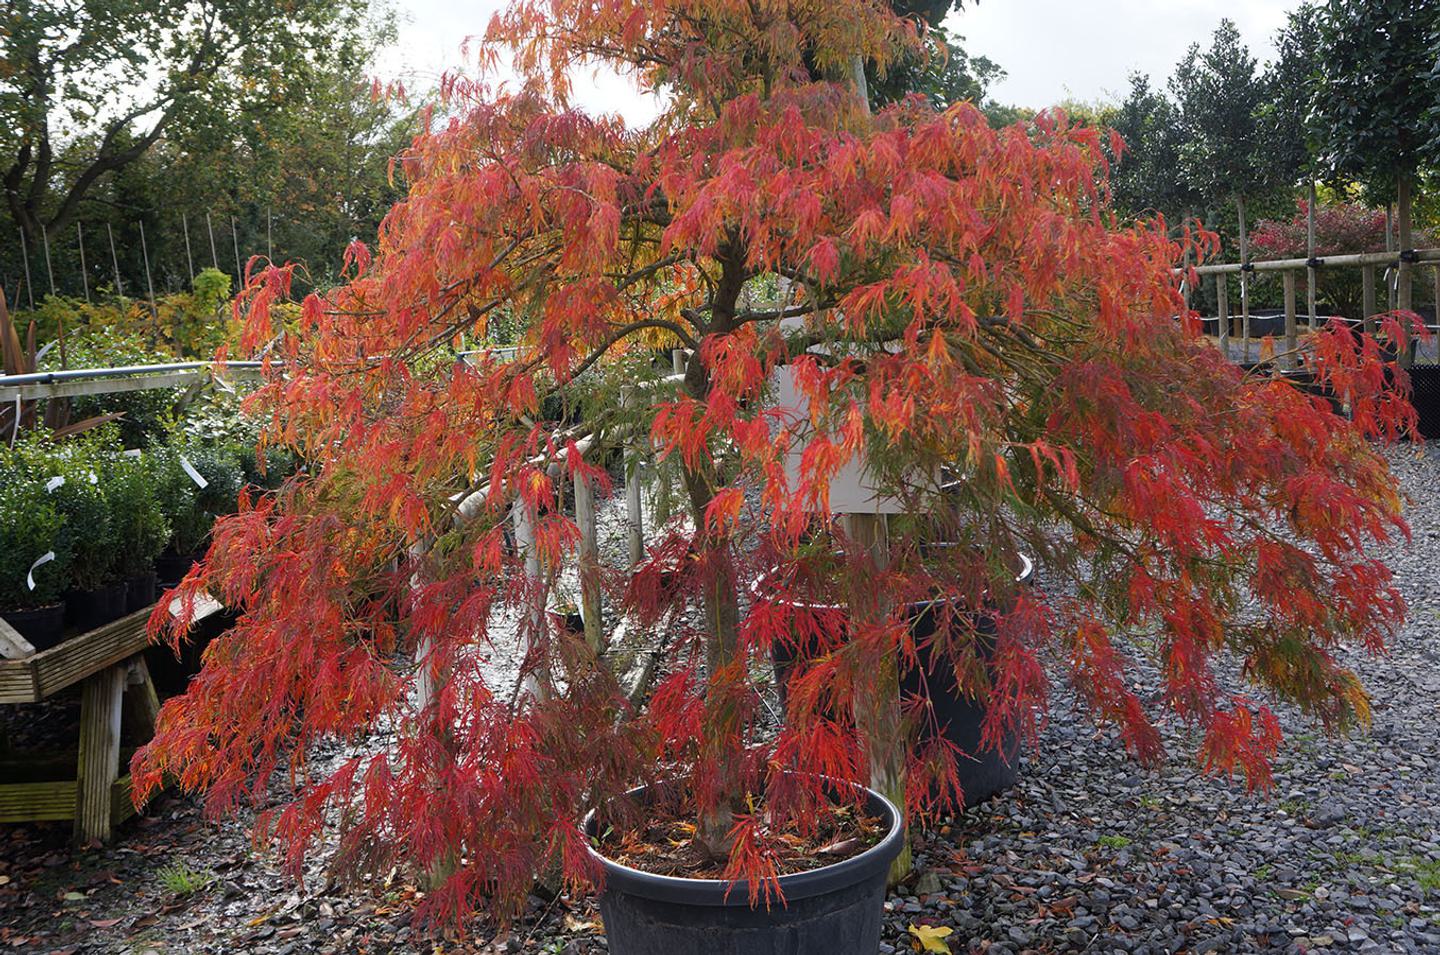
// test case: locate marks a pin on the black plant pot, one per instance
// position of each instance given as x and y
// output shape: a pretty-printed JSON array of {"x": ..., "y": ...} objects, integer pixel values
[
  {"x": 1425, "y": 396},
  {"x": 44, "y": 627},
  {"x": 171, "y": 568},
  {"x": 833, "y": 910},
  {"x": 139, "y": 592},
  {"x": 88, "y": 609},
  {"x": 960, "y": 717}
]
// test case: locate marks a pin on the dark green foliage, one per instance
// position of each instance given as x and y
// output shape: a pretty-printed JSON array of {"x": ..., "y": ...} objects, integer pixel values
[
  {"x": 30, "y": 525},
  {"x": 190, "y": 509},
  {"x": 1377, "y": 102},
  {"x": 1219, "y": 95},
  {"x": 1145, "y": 179},
  {"x": 140, "y": 527},
  {"x": 86, "y": 532}
]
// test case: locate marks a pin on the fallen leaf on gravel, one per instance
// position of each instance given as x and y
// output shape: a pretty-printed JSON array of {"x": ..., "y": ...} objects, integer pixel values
[
  {"x": 104, "y": 923},
  {"x": 932, "y": 937},
  {"x": 836, "y": 848},
  {"x": 74, "y": 896}
]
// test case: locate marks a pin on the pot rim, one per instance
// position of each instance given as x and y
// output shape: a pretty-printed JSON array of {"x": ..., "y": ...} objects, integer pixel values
[
  {"x": 1026, "y": 575},
  {"x": 721, "y": 893}
]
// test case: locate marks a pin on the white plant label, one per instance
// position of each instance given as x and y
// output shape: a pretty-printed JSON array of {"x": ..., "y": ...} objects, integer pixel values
[
  {"x": 223, "y": 385},
  {"x": 93, "y": 478},
  {"x": 40, "y": 355},
  {"x": 130, "y": 453},
  {"x": 195, "y": 475},
  {"x": 44, "y": 558},
  {"x": 57, "y": 481}
]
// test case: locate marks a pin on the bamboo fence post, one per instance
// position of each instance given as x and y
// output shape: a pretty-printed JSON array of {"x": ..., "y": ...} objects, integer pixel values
[
  {"x": 525, "y": 546},
  {"x": 25, "y": 257},
  {"x": 1222, "y": 296},
  {"x": 635, "y": 527},
  {"x": 189, "y": 262},
  {"x": 145, "y": 255},
  {"x": 1244, "y": 278},
  {"x": 1312, "y": 274},
  {"x": 1290, "y": 333},
  {"x": 235, "y": 238},
  {"x": 80, "y": 244},
  {"x": 1389, "y": 247},
  {"x": 589, "y": 555},
  {"x": 210, "y": 228},
  {"x": 1367, "y": 298},
  {"x": 115, "y": 262},
  {"x": 1405, "y": 291},
  {"x": 45, "y": 240},
  {"x": 269, "y": 243}
]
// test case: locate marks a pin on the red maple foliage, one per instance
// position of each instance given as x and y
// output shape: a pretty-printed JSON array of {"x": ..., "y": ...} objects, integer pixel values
[{"x": 967, "y": 314}]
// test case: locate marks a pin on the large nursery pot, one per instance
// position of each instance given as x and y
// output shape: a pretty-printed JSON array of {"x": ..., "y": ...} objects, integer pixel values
[
  {"x": 171, "y": 568},
  {"x": 833, "y": 910},
  {"x": 43, "y": 627},
  {"x": 88, "y": 609},
  {"x": 983, "y": 773},
  {"x": 139, "y": 592}
]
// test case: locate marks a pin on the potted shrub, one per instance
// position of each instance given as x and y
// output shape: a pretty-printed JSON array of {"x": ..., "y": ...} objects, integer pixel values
[
  {"x": 31, "y": 527},
  {"x": 967, "y": 306},
  {"x": 141, "y": 530},
  {"x": 189, "y": 508}
]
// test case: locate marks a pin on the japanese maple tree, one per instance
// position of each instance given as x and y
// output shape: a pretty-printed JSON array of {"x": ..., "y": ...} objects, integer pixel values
[{"x": 959, "y": 307}]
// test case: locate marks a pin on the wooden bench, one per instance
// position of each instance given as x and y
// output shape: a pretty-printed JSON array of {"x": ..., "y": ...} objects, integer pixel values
[{"x": 109, "y": 664}]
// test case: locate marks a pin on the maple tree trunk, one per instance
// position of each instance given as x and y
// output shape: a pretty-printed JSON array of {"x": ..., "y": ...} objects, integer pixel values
[{"x": 877, "y": 700}]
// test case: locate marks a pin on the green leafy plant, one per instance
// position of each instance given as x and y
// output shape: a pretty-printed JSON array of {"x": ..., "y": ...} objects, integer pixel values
[
  {"x": 139, "y": 523},
  {"x": 72, "y": 471},
  {"x": 30, "y": 525},
  {"x": 180, "y": 879}
]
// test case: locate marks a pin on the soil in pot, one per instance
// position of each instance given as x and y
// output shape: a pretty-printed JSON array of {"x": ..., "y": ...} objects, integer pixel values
[
  {"x": 139, "y": 592},
  {"x": 44, "y": 627},
  {"x": 983, "y": 772},
  {"x": 830, "y": 909},
  {"x": 88, "y": 609}
]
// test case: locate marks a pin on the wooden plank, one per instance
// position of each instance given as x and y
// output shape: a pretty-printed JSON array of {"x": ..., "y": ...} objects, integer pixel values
[
  {"x": 49, "y": 671},
  {"x": 1222, "y": 300},
  {"x": 1367, "y": 297},
  {"x": 99, "y": 763},
  {"x": 142, "y": 703},
  {"x": 13, "y": 646},
  {"x": 55, "y": 802},
  {"x": 38, "y": 802}
]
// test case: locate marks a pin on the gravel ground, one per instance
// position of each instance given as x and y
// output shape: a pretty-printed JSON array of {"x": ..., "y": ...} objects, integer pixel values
[{"x": 1087, "y": 853}]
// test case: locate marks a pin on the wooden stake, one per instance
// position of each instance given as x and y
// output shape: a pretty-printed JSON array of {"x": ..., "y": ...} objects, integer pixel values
[
  {"x": 45, "y": 240},
  {"x": 634, "y": 519},
  {"x": 1244, "y": 279},
  {"x": 877, "y": 700},
  {"x": 210, "y": 228},
  {"x": 115, "y": 262},
  {"x": 185, "y": 230},
  {"x": 525, "y": 544},
  {"x": 235, "y": 238},
  {"x": 590, "y": 607},
  {"x": 145, "y": 254},
  {"x": 1312, "y": 274},
  {"x": 1222, "y": 300},
  {"x": 1367, "y": 298},
  {"x": 84, "y": 276},
  {"x": 1405, "y": 290},
  {"x": 25, "y": 257},
  {"x": 1290, "y": 331}
]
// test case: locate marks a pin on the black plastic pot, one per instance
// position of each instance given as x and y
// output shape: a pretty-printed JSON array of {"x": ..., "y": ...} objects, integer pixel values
[
  {"x": 833, "y": 910},
  {"x": 44, "y": 627},
  {"x": 983, "y": 773},
  {"x": 1425, "y": 396},
  {"x": 139, "y": 592},
  {"x": 88, "y": 609},
  {"x": 171, "y": 568}
]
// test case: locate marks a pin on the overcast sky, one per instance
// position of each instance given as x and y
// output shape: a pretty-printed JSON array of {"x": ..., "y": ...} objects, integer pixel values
[{"x": 1051, "y": 49}]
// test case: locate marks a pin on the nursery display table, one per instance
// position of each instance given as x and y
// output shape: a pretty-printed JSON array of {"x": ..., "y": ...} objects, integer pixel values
[{"x": 109, "y": 665}]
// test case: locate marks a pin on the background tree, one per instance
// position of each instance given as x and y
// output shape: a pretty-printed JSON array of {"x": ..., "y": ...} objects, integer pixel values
[
  {"x": 1145, "y": 178},
  {"x": 124, "y": 114},
  {"x": 1375, "y": 102}
]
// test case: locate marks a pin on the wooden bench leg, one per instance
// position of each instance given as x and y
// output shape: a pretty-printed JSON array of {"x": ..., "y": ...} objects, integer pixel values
[
  {"x": 142, "y": 703},
  {"x": 99, "y": 764}
]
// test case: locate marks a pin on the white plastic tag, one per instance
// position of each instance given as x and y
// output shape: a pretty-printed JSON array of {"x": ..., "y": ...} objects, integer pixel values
[
  {"x": 195, "y": 475},
  {"x": 50, "y": 485},
  {"x": 44, "y": 558}
]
